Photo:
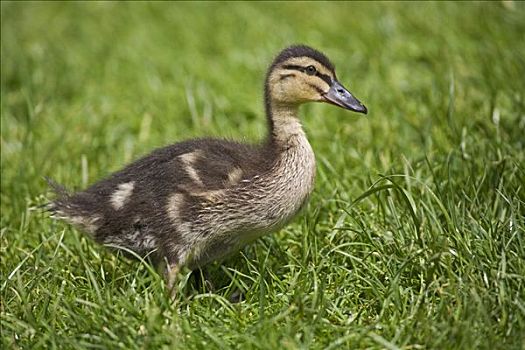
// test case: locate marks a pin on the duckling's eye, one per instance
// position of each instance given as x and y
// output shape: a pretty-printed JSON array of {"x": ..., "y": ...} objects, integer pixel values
[{"x": 310, "y": 70}]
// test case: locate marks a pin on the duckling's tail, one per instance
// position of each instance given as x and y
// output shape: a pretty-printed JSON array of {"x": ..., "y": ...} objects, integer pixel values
[
  {"x": 68, "y": 207},
  {"x": 57, "y": 188},
  {"x": 58, "y": 206}
]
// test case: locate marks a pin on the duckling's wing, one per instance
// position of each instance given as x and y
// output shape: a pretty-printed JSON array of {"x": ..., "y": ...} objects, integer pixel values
[{"x": 207, "y": 163}]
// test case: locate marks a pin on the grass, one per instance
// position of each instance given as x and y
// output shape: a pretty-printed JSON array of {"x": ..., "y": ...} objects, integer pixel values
[{"x": 413, "y": 239}]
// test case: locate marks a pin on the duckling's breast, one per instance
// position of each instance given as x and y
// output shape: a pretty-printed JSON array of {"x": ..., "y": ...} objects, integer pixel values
[{"x": 228, "y": 219}]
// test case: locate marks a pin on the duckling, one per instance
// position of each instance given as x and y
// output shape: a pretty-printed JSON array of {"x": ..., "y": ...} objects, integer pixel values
[{"x": 197, "y": 201}]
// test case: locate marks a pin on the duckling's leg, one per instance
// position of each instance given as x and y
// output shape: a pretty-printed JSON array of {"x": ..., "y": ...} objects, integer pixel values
[{"x": 172, "y": 273}]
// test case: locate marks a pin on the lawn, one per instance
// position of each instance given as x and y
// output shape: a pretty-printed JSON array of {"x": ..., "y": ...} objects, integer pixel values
[{"x": 414, "y": 236}]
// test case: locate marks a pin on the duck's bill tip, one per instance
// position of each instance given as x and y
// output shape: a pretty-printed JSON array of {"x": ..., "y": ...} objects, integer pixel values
[
  {"x": 361, "y": 109},
  {"x": 338, "y": 95}
]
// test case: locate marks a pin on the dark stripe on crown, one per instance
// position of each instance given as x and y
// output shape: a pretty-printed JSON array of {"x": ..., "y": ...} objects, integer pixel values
[{"x": 303, "y": 51}]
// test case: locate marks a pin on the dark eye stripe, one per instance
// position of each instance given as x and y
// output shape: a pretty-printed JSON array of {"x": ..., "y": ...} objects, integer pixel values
[
  {"x": 295, "y": 67},
  {"x": 325, "y": 77}
]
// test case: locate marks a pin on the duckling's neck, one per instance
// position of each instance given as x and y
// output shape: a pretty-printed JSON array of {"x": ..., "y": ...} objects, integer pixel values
[{"x": 284, "y": 124}]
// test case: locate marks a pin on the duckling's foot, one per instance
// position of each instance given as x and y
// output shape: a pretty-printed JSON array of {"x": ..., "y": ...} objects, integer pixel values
[{"x": 237, "y": 296}]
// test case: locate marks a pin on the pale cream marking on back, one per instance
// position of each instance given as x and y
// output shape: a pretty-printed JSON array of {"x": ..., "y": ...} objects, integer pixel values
[
  {"x": 89, "y": 224},
  {"x": 234, "y": 176},
  {"x": 188, "y": 159},
  {"x": 174, "y": 209},
  {"x": 211, "y": 195},
  {"x": 121, "y": 195},
  {"x": 175, "y": 203}
]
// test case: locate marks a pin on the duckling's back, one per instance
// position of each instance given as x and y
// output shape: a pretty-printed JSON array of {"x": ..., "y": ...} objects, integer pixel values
[{"x": 130, "y": 208}]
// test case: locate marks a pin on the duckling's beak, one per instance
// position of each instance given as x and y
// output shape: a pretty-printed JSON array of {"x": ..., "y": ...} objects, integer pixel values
[{"x": 340, "y": 96}]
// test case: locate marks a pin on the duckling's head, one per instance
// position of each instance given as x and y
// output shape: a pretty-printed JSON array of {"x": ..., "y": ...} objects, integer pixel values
[{"x": 301, "y": 74}]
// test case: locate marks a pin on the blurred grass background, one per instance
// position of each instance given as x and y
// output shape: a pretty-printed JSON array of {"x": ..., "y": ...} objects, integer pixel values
[{"x": 413, "y": 239}]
